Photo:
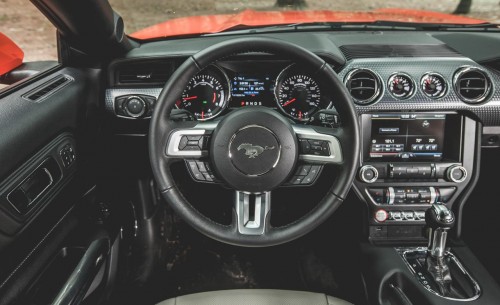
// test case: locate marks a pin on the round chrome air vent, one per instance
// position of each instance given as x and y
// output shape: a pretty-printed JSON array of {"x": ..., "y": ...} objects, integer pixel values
[
  {"x": 364, "y": 85},
  {"x": 471, "y": 84}
]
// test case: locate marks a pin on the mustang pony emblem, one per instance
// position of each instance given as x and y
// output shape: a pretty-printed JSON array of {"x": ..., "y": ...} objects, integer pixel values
[{"x": 253, "y": 151}]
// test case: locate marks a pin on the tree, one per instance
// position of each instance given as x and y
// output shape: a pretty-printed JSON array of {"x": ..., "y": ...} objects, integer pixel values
[{"x": 463, "y": 7}]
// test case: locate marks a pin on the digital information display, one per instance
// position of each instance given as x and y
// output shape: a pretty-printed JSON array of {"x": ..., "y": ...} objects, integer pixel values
[
  {"x": 250, "y": 90},
  {"x": 407, "y": 136}
]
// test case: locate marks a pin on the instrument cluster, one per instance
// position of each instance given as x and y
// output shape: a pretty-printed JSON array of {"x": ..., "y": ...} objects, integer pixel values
[{"x": 291, "y": 90}]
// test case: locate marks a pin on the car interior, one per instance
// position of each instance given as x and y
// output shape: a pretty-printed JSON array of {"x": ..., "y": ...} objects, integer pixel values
[{"x": 319, "y": 163}]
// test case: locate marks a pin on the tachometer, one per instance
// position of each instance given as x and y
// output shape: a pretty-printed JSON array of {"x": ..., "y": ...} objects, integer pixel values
[
  {"x": 433, "y": 85},
  {"x": 401, "y": 85},
  {"x": 205, "y": 97},
  {"x": 298, "y": 96}
]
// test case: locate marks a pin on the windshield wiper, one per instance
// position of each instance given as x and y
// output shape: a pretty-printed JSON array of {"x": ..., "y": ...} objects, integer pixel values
[{"x": 349, "y": 26}]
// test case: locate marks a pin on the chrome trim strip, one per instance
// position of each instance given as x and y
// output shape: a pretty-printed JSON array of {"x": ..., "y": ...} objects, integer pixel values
[{"x": 333, "y": 143}]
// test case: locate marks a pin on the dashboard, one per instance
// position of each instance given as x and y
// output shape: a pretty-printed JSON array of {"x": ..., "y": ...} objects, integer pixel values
[
  {"x": 422, "y": 100},
  {"x": 381, "y": 75}
]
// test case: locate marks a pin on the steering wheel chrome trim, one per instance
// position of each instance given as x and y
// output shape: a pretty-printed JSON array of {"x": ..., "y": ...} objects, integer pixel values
[{"x": 252, "y": 210}]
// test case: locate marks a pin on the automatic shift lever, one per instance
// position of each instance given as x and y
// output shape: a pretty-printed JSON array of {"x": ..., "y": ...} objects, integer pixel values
[{"x": 440, "y": 220}]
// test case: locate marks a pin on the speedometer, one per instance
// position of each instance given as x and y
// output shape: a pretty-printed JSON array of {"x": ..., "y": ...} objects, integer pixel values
[
  {"x": 205, "y": 96},
  {"x": 298, "y": 96}
]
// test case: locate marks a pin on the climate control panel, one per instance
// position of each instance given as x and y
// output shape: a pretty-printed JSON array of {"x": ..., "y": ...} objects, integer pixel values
[
  {"x": 375, "y": 172},
  {"x": 411, "y": 195}
]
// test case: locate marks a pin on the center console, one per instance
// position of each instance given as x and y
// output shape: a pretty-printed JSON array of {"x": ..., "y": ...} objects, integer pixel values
[
  {"x": 416, "y": 172},
  {"x": 409, "y": 162}
]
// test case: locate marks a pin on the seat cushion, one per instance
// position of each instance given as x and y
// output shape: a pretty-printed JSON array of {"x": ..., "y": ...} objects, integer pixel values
[{"x": 255, "y": 297}]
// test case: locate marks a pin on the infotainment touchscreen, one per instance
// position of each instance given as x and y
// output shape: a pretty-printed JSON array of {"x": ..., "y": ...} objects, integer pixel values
[{"x": 407, "y": 136}]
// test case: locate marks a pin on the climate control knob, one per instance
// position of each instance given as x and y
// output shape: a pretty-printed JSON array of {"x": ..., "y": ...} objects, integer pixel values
[
  {"x": 368, "y": 174},
  {"x": 456, "y": 173},
  {"x": 135, "y": 106}
]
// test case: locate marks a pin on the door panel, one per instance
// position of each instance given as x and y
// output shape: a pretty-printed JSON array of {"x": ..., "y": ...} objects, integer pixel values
[{"x": 48, "y": 198}]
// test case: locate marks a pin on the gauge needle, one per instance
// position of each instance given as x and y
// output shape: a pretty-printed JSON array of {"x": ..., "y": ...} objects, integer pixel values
[
  {"x": 189, "y": 98},
  {"x": 289, "y": 102}
]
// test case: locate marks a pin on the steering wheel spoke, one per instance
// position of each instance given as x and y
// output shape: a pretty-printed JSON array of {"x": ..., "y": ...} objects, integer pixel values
[
  {"x": 252, "y": 210},
  {"x": 188, "y": 142},
  {"x": 318, "y": 147}
]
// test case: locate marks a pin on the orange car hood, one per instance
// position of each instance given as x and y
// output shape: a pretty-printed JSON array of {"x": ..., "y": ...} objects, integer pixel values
[{"x": 218, "y": 23}]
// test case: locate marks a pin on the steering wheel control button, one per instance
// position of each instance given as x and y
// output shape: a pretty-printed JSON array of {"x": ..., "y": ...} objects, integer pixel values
[
  {"x": 200, "y": 171},
  {"x": 368, "y": 174},
  {"x": 193, "y": 143},
  {"x": 305, "y": 175},
  {"x": 316, "y": 148},
  {"x": 305, "y": 147},
  {"x": 381, "y": 215},
  {"x": 456, "y": 174},
  {"x": 303, "y": 170},
  {"x": 254, "y": 150}
]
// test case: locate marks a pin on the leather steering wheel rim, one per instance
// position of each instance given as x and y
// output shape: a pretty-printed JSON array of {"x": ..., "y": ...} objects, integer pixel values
[{"x": 161, "y": 126}]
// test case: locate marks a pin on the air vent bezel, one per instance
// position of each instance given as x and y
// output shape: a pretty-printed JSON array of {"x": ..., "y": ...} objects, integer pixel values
[
  {"x": 460, "y": 72},
  {"x": 66, "y": 80},
  {"x": 378, "y": 83}
]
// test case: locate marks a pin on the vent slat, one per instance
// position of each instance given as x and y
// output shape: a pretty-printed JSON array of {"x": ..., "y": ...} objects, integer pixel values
[
  {"x": 381, "y": 51},
  {"x": 46, "y": 89}
]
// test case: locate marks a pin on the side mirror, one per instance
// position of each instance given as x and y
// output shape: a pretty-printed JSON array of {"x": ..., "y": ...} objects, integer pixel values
[{"x": 11, "y": 56}]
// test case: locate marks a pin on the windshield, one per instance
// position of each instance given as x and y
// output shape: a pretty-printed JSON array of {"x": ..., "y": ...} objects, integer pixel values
[{"x": 149, "y": 19}]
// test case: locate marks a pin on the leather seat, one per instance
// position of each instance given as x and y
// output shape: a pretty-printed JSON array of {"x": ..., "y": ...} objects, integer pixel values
[{"x": 255, "y": 297}]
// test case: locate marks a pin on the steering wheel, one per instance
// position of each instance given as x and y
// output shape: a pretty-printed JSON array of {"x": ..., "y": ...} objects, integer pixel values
[{"x": 253, "y": 150}]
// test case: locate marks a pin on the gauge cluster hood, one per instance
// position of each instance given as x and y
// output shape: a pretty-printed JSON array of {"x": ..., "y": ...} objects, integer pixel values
[{"x": 208, "y": 24}]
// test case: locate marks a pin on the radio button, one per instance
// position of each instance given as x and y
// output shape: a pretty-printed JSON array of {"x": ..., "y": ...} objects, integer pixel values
[
  {"x": 456, "y": 173},
  {"x": 419, "y": 215},
  {"x": 381, "y": 215},
  {"x": 408, "y": 215},
  {"x": 368, "y": 174},
  {"x": 395, "y": 215}
]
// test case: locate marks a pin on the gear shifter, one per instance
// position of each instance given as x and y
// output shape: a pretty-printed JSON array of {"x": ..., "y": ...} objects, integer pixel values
[{"x": 440, "y": 220}]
